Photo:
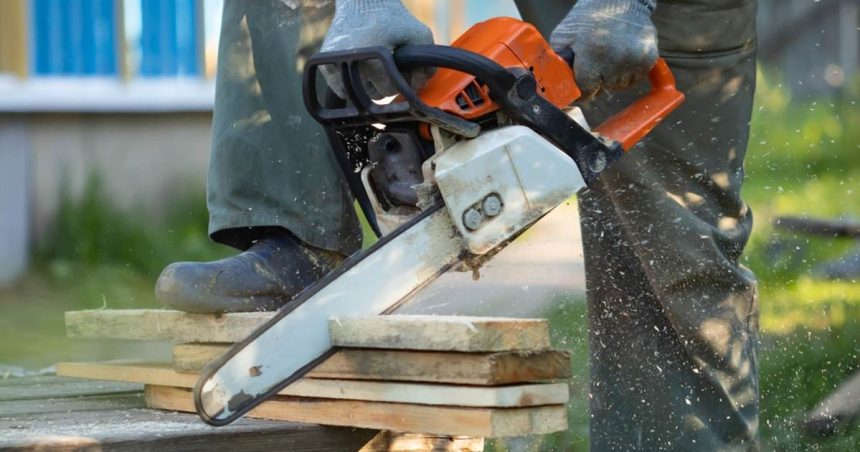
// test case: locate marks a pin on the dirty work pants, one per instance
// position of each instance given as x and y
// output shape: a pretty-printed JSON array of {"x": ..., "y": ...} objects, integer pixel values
[{"x": 672, "y": 314}]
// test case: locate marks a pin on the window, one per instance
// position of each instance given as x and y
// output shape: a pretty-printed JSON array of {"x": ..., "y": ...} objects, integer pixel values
[
  {"x": 171, "y": 38},
  {"x": 74, "y": 37}
]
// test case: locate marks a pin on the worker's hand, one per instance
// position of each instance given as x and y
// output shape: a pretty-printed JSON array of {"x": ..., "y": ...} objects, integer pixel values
[
  {"x": 613, "y": 41},
  {"x": 368, "y": 23}
]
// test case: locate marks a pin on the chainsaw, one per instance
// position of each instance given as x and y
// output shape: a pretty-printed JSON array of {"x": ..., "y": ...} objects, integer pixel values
[{"x": 446, "y": 178}]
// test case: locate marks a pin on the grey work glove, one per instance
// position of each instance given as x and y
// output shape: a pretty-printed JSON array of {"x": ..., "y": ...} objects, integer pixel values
[
  {"x": 614, "y": 42},
  {"x": 368, "y": 23}
]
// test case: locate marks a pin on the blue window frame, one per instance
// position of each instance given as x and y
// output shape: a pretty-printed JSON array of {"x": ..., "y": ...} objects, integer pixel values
[
  {"x": 74, "y": 37},
  {"x": 171, "y": 38}
]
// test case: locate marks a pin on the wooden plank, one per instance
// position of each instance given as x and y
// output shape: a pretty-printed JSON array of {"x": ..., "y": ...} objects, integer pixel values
[
  {"x": 494, "y": 368},
  {"x": 479, "y": 422},
  {"x": 162, "y": 325},
  {"x": 35, "y": 380},
  {"x": 136, "y": 429},
  {"x": 118, "y": 421},
  {"x": 412, "y": 393},
  {"x": 52, "y": 387},
  {"x": 440, "y": 333},
  {"x": 386, "y": 441},
  {"x": 192, "y": 358},
  {"x": 77, "y": 404}
]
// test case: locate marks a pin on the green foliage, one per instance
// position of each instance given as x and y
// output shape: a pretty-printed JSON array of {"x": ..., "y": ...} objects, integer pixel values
[
  {"x": 97, "y": 255},
  {"x": 804, "y": 156},
  {"x": 91, "y": 230},
  {"x": 803, "y": 160}
]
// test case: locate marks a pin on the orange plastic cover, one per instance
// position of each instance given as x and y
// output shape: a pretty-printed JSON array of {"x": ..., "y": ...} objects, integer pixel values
[{"x": 511, "y": 43}]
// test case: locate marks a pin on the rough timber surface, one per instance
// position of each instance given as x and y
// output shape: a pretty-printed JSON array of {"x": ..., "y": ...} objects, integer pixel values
[
  {"x": 482, "y": 369},
  {"x": 440, "y": 333},
  {"x": 112, "y": 417},
  {"x": 162, "y": 325},
  {"x": 376, "y": 391},
  {"x": 478, "y": 422},
  {"x": 415, "y": 332}
]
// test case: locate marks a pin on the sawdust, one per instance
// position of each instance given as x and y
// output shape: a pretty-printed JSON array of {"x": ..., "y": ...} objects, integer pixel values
[{"x": 445, "y": 242}]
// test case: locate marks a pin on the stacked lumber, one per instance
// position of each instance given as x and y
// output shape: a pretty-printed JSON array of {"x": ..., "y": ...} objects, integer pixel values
[{"x": 454, "y": 376}]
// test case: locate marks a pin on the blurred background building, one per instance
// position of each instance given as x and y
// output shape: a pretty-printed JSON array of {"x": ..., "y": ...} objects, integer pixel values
[{"x": 123, "y": 89}]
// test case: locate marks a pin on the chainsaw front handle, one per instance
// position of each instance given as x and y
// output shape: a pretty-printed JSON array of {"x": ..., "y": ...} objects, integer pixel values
[
  {"x": 633, "y": 123},
  {"x": 361, "y": 110}
]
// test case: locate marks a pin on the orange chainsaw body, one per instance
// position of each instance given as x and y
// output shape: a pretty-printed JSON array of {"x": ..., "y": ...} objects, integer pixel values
[{"x": 511, "y": 43}]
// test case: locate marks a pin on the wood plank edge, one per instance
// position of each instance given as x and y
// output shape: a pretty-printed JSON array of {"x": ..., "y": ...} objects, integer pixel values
[
  {"x": 522, "y": 395},
  {"x": 482, "y": 422}
]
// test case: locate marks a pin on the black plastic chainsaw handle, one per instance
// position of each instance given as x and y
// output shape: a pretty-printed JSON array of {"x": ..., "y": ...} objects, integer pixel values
[
  {"x": 499, "y": 79},
  {"x": 496, "y": 77},
  {"x": 362, "y": 110}
]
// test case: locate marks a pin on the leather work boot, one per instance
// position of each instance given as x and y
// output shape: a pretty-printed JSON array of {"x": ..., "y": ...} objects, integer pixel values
[{"x": 271, "y": 272}]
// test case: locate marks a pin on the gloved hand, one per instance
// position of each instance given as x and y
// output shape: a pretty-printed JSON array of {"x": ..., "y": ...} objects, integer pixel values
[
  {"x": 367, "y": 23},
  {"x": 614, "y": 42}
]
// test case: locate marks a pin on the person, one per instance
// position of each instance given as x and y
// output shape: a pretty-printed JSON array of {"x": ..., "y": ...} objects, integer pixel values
[{"x": 672, "y": 315}]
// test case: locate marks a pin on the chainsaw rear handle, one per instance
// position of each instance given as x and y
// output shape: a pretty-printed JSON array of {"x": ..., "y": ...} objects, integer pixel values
[
  {"x": 633, "y": 123},
  {"x": 630, "y": 125}
]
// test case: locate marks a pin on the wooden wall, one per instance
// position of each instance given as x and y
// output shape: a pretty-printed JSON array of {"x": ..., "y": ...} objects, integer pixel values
[{"x": 13, "y": 37}]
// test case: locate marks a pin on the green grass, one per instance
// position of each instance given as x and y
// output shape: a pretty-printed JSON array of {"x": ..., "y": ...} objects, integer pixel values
[
  {"x": 97, "y": 255},
  {"x": 800, "y": 368},
  {"x": 91, "y": 231}
]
